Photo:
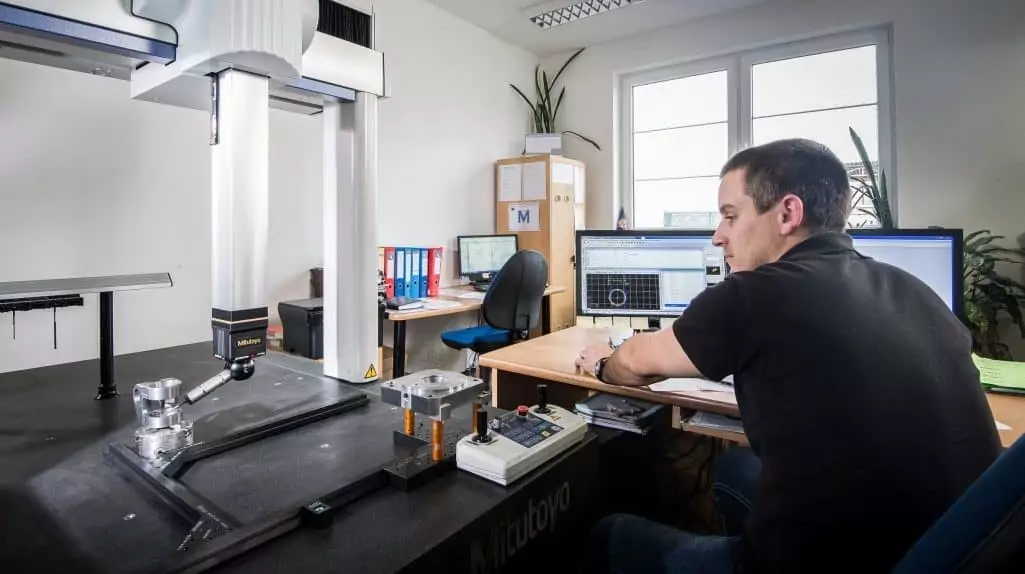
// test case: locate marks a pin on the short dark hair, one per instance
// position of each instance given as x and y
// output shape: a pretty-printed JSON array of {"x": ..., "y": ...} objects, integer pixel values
[{"x": 802, "y": 167}]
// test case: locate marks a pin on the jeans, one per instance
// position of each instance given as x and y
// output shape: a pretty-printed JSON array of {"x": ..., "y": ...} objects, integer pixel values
[{"x": 625, "y": 544}]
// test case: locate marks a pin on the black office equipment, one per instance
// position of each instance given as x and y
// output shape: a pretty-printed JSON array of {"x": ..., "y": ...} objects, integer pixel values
[
  {"x": 303, "y": 324},
  {"x": 403, "y": 304}
]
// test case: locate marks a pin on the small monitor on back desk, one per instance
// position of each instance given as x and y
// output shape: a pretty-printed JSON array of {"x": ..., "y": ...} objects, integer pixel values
[
  {"x": 644, "y": 273},
  {"x": 481, "y": 256}
]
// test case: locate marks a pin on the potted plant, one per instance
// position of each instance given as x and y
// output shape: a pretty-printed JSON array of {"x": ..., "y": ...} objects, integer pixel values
[
  {"x": 869, "y": 188},
  {"x": 545, "y": 111},
  {"x": 989, "y": 295}
]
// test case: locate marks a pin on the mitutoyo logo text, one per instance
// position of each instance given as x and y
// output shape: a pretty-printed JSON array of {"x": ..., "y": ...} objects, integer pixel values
[{"x": 514, "y": 532}]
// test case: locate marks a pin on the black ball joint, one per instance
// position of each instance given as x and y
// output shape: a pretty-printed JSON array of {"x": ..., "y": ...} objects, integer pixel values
[{"x": 242, "y": 369}]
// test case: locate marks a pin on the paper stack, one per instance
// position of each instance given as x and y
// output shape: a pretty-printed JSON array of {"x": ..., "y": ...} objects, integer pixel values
[{"x": 632, "y": 415}]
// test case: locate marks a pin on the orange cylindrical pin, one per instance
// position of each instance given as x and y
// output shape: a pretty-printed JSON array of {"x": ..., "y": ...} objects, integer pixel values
[
  {"x": 473, "y": 415},
  {"x": 438, "y": 440},
  {"x": 410, "y": 422}
]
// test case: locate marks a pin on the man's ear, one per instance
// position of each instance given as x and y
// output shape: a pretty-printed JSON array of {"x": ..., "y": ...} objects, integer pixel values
[{"x": 791, "y": 213}]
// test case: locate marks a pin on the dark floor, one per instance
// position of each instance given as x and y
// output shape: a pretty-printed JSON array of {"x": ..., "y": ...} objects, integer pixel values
[{"x": 48, "y": 414}]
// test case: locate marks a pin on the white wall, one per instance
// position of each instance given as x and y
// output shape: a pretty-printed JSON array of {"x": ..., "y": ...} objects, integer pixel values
[
  {"x": 452, "y": 115},
  {"x": 959, "y": 83},
  {"x": 92, "y": 183}
]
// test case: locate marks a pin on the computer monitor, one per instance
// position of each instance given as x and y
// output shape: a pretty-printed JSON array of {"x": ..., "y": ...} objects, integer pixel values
[
  {"x": 934, "y": 256},
  {"x": 482, "y": 255},
  {"x": 644, "y": 273}
]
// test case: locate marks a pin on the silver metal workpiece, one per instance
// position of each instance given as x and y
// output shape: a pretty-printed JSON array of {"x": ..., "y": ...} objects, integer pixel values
[
  {"x": 158, "y": 409},
  {"x": 432, "y": 392}
]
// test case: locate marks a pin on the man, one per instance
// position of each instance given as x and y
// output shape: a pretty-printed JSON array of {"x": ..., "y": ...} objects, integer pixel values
[{"x": 854, "y": 381}]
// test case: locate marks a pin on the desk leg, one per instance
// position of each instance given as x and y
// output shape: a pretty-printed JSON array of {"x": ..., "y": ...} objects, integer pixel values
[
  {"x": 399, "y": 353},
  {"x": 546, "y": 315},
  {"x": 107, "y": 390}
]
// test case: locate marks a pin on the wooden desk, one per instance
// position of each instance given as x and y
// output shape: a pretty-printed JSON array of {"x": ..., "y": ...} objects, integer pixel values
[
  {"x": 1010, "y": 410},
  {"x": 549, "y": 359},
  {"x": 400, "y": 318}
]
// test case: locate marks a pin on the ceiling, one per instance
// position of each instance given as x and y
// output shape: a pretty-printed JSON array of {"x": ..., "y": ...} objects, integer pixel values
[{"x": 509, "y": 20}]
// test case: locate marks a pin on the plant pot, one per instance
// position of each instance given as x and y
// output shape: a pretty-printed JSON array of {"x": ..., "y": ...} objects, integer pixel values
[{"x": 543, "y": 143}]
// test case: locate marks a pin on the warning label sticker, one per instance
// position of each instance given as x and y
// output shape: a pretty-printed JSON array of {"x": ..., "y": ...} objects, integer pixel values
[{"x": 371, "y": 372}]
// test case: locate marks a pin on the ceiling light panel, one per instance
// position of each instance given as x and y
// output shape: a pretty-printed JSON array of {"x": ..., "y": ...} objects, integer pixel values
[{"x": 578, "y": 11}]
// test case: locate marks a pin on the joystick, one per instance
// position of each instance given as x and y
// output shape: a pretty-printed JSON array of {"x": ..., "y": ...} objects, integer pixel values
[
  {"x": 542, "y": 400},
  {"x": 482, "y": 427}
]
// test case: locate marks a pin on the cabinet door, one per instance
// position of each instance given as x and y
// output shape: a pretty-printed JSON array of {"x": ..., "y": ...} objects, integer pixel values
[{"x": 562, "y": 248}]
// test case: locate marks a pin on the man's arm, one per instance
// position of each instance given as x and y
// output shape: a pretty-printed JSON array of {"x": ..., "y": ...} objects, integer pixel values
[{"x": 643, "y": 359}]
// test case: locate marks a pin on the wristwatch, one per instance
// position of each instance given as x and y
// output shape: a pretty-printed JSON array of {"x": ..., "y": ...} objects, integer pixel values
[{"x": 599, "y": 367}]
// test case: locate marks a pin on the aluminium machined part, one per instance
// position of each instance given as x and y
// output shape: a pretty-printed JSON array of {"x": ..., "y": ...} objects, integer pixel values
[
  {"x": 153, "y": 443},
  {"x": 157, "y": 403},
  {"x": 432, "y": 392},
  {"x": 161, "y": 427}
]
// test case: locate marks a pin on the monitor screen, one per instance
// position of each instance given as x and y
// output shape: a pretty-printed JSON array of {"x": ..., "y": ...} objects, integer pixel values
[
  {"x": 644, "y": 273},
  {"x": 933, "y": 256},
  {"x": 482, "y": 254}
]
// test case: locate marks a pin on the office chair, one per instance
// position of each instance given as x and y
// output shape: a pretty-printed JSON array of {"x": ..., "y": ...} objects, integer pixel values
[
  {"x": 511, "y": 306},
  {"x": 984, "y": 530}
]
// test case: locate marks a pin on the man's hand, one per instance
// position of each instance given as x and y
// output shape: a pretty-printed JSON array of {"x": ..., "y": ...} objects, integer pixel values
[
  {"x": 641, "y": 360},
  {"x": 588, "y": 358}
]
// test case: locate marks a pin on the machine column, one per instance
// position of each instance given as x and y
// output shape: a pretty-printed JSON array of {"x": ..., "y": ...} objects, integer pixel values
[
  {"x": 350, "y": 240},
  {"x": 240, "y": 146}
]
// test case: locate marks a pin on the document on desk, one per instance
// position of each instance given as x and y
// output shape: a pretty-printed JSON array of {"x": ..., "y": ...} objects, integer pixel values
[
  {"x": 439, "y": 304},
  {"x": 475, "y": 295},
  {"x": 690, "y": 385},
  {"x": 1007, "y": 376}
]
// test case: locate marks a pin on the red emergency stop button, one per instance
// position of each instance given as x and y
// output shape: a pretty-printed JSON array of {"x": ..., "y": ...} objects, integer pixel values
[{"x": 522, "y": 410}]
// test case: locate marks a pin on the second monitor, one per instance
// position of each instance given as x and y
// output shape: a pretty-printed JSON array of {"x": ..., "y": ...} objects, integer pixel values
[
  {"x": 481, "y": 256},
  {"x": 644, "y": 273}
]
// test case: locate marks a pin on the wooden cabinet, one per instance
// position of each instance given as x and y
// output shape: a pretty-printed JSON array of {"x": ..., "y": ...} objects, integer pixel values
[{"x": 555, "y": 205}]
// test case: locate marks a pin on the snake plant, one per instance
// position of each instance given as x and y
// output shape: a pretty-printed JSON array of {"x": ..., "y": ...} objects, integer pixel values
[{"x": 545, "y": 111}]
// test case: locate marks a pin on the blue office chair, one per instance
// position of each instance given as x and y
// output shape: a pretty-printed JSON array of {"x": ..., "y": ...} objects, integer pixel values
[
  {"x": 511, "y": 307},
  {"x": 984, "y": 530}
]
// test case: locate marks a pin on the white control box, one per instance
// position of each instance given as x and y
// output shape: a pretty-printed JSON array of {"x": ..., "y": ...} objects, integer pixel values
[{"x": 520, "y": 441}]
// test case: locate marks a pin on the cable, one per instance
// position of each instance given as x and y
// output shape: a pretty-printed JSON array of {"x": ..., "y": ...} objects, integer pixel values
[{"x": 173, "y": 29}]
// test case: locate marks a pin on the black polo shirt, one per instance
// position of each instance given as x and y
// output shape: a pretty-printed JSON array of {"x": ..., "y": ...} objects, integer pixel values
[{"x": 858, "y": 393}]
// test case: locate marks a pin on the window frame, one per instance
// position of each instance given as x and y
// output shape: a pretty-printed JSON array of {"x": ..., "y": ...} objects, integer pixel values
[{"x": 738, "y": 66}]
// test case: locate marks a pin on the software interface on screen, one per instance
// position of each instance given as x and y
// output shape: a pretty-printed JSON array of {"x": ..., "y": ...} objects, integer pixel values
[
  {"x": 646, "y": 276},
  {"x": 929, "y": 258},
  {"x": 485, "y": 254}
]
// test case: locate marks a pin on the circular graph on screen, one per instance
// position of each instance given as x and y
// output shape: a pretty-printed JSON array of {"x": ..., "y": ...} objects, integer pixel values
[{"x": 617, "y": 297}]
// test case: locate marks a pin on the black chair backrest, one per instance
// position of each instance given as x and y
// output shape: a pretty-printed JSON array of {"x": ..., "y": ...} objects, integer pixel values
[{"x": 513, "y": 300}]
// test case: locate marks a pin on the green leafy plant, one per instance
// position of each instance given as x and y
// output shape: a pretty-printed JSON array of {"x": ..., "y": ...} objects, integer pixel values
[
  {"x": 989, "y": 295},
  {"x": 545, "y": 111},
  {"x": 868, "y": 187}
]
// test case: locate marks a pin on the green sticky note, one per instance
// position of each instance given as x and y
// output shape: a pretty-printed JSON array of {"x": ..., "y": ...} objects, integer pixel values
[{"x": 1000, "y": 374}]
